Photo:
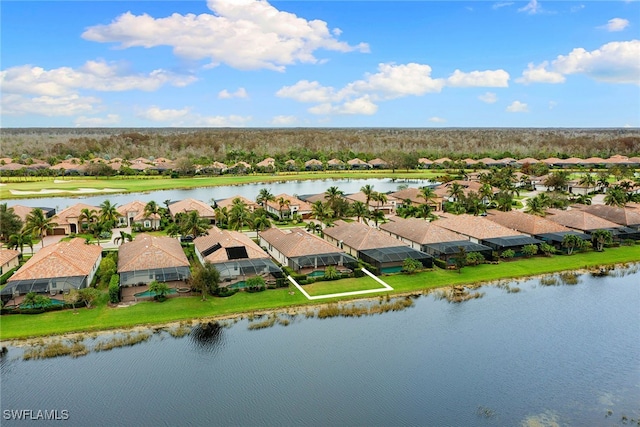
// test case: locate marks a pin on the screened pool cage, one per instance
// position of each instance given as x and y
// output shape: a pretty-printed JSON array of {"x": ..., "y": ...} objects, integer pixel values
[
  {"x": 337, "y": 259},
  {"x": 52, "y": 286},
  {"x": 383, "y": 258},
  {"x": 144, "y": 277},
  {"x": 245, "y": 268}
]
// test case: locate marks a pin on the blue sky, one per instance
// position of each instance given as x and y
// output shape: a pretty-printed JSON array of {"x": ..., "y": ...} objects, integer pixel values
[{"x": 248, "y": 63}]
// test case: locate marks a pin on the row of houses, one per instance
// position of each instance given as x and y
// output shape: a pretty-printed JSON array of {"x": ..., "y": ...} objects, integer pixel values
[
  {"x": 58, "y": 268},
  {"x": 160, "y": 165}
]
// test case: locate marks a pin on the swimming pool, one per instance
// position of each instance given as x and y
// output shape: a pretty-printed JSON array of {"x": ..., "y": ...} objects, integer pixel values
[
  {"x": 147, "y": 294},
  {"x": 316, "y": 273}
]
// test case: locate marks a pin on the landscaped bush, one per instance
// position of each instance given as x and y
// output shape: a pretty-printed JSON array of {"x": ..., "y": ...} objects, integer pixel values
[
  {"x": 5, "y": 276},
  {"x": 255, "y": 284},
  {"x": 440, "y": 263},
  {"x": 357, "y": 272},
  {"x": 114, "y": 289},
  {"x": 226, "y": 292},
  {"x": 508, "y": 254}
]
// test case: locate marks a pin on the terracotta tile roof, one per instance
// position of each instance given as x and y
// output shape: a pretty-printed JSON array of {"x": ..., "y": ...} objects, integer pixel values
[
  {"x": 529, "y": 160},
  {"x": 357, "y": 161},
  {"x": 137, "y": 208},
  {"x": 377, "y": 161},
  {"x": 489, "y": 161},
  {"x": 420, "y": 231},
  {"x": 315, "y": 197},
  {"x": 474, "y": 226},
  {"x": 442, "y": 160},
  {"x": 313, "y": 162},
  {"x": 335, "y": 162},
  {"x": 425, "y": 161},
  {"x": 414, "y": 194},
  {"x": 68, "y": 165},
  {"x": 293, "y": 201},
  {"x": 188, "y": 205},
  {"x": 296, "y": 242},
  {"x": 269, "y": 161},
  {"x": 621, "y": 216},
  {"x": 525, "y": 223},
  {"x": 63, "y": 259},
  {"x": 251, "y": 205},
  {"x": 360, "y": 236},
  {"x": 579, "y": 220},
  {"x": 72, "y": 213},
  {"x": 361, "y": 197},
  {"x": 148, "y": 252},
  {"x": 22, "y": 211},
  {"x": 7, "y": 255},
  {"x": 227, "y": 239}
]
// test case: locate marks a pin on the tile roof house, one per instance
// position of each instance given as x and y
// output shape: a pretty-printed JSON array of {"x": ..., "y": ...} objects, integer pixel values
[
  {"x": 293, "y": 206},
  {"x": 188, "y": 205},
  {"x": 313, "y": 164},
  {"x": 373, "y": 246},
  {"x": 388, "y": 207},
  {"x": 268, "y": 163},
  {"x": 132, "y": 213},
  {"x": 149, "y": 258},
  {"x": 227, "y": 203},
  {"x": 24, "y": 211},
  {"x": 532, "y": 225},
  {"x": 580, "y": 220},
  {"x": 335, "y": 164},
  {"x": 627, "y": 217},
  {"x": 358, "y": 164},
  {"x": 55, "y": 269},
  {"x": 67, "y": 219},
  {"x": 378, "y": 163},
  {"x": 303, "y": 251},
  {"x": 236, "y": 256},
  {"x": 9, "y": 259},
  {"x": 415, "y": 195}
]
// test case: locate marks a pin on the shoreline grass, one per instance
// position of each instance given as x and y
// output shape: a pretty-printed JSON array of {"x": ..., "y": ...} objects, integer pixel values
[
  {"x": 124, "y": 185},
  {"x": 23, "y": 326}
]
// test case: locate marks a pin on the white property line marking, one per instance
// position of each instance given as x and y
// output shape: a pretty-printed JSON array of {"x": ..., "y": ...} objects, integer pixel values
[{"x": 385, "y": 287}]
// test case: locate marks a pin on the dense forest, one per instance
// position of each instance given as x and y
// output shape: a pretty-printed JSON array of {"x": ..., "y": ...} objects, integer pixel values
[{"x": 303, "y": 143}]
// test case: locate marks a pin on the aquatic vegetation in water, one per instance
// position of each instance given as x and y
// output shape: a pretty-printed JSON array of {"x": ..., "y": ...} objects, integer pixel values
[
  {"x": 485, "y": 412},
  {"x": 122, "y": 341},
  {"x": 55, "y": 349}
]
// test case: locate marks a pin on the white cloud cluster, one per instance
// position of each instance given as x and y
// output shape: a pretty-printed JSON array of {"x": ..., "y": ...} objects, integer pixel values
[
  {"x": 57, "y": 92},
  {"x": 390, "y": 82},
  {"x": 240, "y": 93},
  {"x": 501, "y": 5},
  {"x": 531, "y": 8},
  {"x": 518, "y": 107},
  {"x": 436, "y": 119},
  {"x": 615, "y": 24},
  {"x": 614, "y": 62},
  {"x": 283, "y": 120},
  {"x": 185, "y": 118},
  {"x": 244, "y": 34},
  {"x": 488, "y": 97}
]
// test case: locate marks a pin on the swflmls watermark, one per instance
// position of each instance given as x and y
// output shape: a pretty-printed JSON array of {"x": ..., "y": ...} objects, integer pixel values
[{"x": 35, "y": 415}]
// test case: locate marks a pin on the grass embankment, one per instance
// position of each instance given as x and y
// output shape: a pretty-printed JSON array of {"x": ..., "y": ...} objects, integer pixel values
[
  {"x": 65, "y": 187},
  {"x": 175, "y": 309}
]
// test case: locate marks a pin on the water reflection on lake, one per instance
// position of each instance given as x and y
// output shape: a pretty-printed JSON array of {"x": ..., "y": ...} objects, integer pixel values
[
  {"x": 206, "y": 194},
  {"x": 547, "y": 355}
]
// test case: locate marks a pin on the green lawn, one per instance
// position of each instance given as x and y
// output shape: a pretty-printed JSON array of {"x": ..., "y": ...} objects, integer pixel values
[{"x": 183, "y": 308}]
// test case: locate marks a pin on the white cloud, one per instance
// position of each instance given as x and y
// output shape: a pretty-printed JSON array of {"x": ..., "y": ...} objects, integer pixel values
[
  {"x": 396, "y": 81},
  {"x": 362, "y": 105},
  {"x": 306, "y": 91},
  {"x": 501, "y": 4},
  {"x": 437, "y": 120},
  {"x": 488, "y": 78},
  {"x": 488, "y": 97},
  {"x": 157, "y": 114},
  {"x": 615, "y": 62},
  {"x": 84, "y": 121},
  {"x": 66, "y": 105},
  {"x": 540, "y": 74},
  {"x": 283, "y": 120},
  {"x": 615, "y": 24},
  {"x": 531, "y": 8},
  {"x": 93, "y": 75},
  {"x": 221, "y": 121},
  {"x": 246, "y": 34},
  {"x": 240, "y": 93},
  {"x": 518, "y": 107}
]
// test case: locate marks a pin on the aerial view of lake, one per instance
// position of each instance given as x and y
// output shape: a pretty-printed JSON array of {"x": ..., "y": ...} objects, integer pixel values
[
  {"x": 547, "y": 355},
  {"x": 206, "y": 194}
]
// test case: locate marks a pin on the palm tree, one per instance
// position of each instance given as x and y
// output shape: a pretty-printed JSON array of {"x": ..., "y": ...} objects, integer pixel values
[
  {"x": 282, "y": 202},
  {"x": 504, "y": 201},
  {"x": 38, "y": 224},
  {"x": 151, "y": 208},
  {"x": 10, "y": 222},
  {"x": 427, "y": 194},
  {"x": 20, "y": 240},
  {"x": 261, "y": 221},
  {"x": 108, "y": 212},
  {"x": 321, "y": 211},
  {"x": 600, "y": 238},
  {"x": 535, "y": 206},
  {"x": 368, "y": 191},
  {"x": 486, "y": 192},
  {"x": 239, "y": 214},
  {"x": 332, "y": 196},
  {"x": 583, "y": 199},
  {"x": 87, "y": 215},
  {"x": 360, "y": 210},
  {"x": 378, "y": 217},
  {"x": 381, "y": 198},
  {"x": 571, "y": 242},
  {"x": 124, "y": 237},
  {"x": 221, "y": 216},
  {"x": 456, "y": 191},
  {"x": 616, "y": 196},
  {"x": 587, "y": 180},
  {"x": 264, "y": 196},
  {"x": 192, "y": 224}
]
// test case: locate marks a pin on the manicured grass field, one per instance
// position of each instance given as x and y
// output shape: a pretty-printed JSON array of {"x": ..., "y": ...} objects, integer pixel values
[
  {"x": 183, "y": 308},
  {"x": 343, "y": 285},
  {"x": 150, "y": 183}
]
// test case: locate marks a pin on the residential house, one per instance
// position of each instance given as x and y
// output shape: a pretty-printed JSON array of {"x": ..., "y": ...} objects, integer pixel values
[
  {"x": 335, "y": 164},
  {"x": 373, "y": 246},
  {"x": 152, "y": 258},
  {"x": 227, "y": 203},
  {"x": 68, "y": 219},
  {"x": 624, "y": 216},
  {"x": 236, "y": 256},
  {"x": 378, "y": 163},
  {"x": 268, "y": 164},
  {"x": 189, "y": 205},
  {"x": 304, "y": 252},
  {"x": 133, "y": 214},
  {"x": 285, "y": 206},
  {"x": 415, "y": 195},
  {"x": 388, "y": 207},
  {"x": 358, "y": 164},
  {"x": 54, "y": 269},
  {"x": 313, "y": 165},
  {"x": 9, "y": 259},
  {"x": 581, "y": 220}
]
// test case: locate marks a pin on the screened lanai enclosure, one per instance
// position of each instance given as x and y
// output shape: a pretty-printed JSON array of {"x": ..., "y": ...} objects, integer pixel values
[
  {"x": 51, "y": 286},
  {"x": 515, "y": 243},
  {"x": 391, "y": 259},
  {"x": 144, "y": 277},
  {"x": 242, "y": 269},
  {"x": 337, "y": 259},
  {"x": 447, "y": 251}
]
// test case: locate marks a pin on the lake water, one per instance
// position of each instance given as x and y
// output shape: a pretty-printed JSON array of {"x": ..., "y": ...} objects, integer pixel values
[
  {"x": 548, "y": 355},
  {"x": 250, "y": 191}
]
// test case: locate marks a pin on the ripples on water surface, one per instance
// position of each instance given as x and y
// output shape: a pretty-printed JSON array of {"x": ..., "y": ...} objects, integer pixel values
[{"x": 548, "y": 354}]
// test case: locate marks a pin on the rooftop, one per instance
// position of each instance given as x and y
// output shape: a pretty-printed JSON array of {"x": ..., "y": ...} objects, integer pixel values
[{"x": 149, "y": 252}]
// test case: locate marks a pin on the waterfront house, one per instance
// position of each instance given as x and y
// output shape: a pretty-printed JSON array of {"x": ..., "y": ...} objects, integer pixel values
[
  {"x": 304, "y": 252},
  {"x": 358, "y": 164},
  {"x": 335, "y": 164},
  {"x": 424, "y": 163},
  {"x": 313, "y": 165},
  {"x": 378, "y": 163},
  {"x": 69, "y": 219},
  {"x": 228, "y": 203},
  {"x": 148, "y": 258},
  {"x": 415, "y": 195},
  {"x": 236, "y": 256},
  {"x": 189, "y": 205},
  {"x": 24, "y": 211},
  {"x": 586, "y": 222},
  {"x": 285, "y": 206},
  {"x": 373, "y": 246},
  {"x": 266, "y": 165},
  {"x": 55, "y": 269},
  {"x": 388, "y": 207},
  {"x": 133, "y": 213}
]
